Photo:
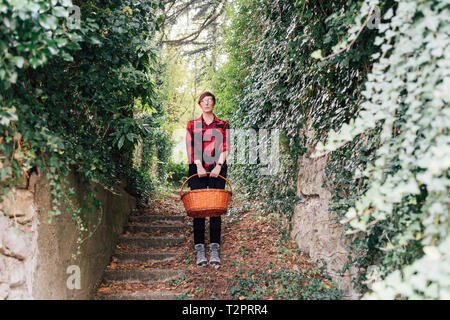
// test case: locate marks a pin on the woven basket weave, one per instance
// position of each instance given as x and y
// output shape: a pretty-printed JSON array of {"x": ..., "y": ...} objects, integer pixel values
[{"x": 203, "y": 203}]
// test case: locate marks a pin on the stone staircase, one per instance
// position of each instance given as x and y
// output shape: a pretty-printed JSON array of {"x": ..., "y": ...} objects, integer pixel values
[{"x": 149, "y": 241}]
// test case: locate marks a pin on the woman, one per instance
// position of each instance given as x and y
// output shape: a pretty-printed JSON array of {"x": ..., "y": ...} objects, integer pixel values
[{"x": 207, "y": 148}]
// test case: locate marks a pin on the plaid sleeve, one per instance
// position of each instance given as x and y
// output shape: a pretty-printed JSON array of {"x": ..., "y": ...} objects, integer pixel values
[
  {"x": 189, "y": 142},
  {"x": 226, "y": 137}
]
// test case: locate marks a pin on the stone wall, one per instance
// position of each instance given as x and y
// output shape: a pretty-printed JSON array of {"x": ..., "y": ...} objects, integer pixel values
[
  {"x": 36, "y": 256},
  {"x": 314, "y": 227}
]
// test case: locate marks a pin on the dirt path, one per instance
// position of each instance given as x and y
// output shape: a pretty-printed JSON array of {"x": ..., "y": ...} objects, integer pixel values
[{"x": 155, "y": 259}]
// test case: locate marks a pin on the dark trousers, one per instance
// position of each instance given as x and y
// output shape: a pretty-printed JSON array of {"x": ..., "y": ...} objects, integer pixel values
[{"x": 215, "y": 223}]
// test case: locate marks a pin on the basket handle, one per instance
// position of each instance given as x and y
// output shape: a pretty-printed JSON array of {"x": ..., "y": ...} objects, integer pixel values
[{"x": 195, "y": 174}]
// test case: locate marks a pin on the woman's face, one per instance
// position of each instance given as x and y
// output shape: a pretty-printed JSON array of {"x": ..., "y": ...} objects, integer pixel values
[{"x": 207, "y": 104}]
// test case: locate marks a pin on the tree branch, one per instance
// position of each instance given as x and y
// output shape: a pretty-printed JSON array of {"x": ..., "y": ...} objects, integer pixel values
[{"x": 212, "y": 17}]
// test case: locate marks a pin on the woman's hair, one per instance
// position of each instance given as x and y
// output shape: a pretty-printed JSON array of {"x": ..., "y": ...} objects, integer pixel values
[{"x": 206, "y": 94}]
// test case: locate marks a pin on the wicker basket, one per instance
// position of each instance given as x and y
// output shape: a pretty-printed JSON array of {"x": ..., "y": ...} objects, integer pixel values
[{"x": 209, "y": 202}]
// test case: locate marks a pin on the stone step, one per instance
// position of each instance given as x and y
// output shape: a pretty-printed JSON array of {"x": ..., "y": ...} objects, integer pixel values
[
  {"x": 152, "y": 218},
  {"x": 145, "y": 257},
  {"x": 153, "y": 229},
  {"x": 155, "y": 242},
  {"x": 141, "y": 276},
  {"x": 140, "y": 296}
]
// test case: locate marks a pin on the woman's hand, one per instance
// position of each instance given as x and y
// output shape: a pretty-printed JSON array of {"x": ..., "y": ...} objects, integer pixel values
[
  {"x": 215, "y": 172},
  {"x": 201, "y": 171}
]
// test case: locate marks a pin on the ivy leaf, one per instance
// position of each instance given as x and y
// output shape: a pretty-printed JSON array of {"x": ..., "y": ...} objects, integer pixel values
[
  {"x": 18, "y": 61},
  {"x": 13, "y": 77},
  {"x": 317, "y": 54},
  {"x": 48, "y": 22},
  {"x": 121, "y": 141},
  {"x": 61, "y": 42},
  {"x": 67, "y": 56},
  {"x": 60, "y": 12},
  {"x": 35, "y": 62},
  {"x": 73, "y": 46},
  {"x": 53, "y": 50},
  {"x": 94, "y": 40}
]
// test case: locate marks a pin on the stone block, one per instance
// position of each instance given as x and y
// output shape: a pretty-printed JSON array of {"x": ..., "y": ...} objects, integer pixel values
[
  {"x": 4, "y": 291},
  {"x": 13, "y": 244},
  {"x": 17, "y": 276},
  {"x": 17, "y": 294},
  {"x": 19, "y": 204},
  {"x": 3, "y": 272}
]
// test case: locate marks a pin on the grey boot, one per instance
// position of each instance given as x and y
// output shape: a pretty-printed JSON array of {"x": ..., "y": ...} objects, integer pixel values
[
  {"x": 200, "y": 253},
  {"x": 214, "y": 258}
]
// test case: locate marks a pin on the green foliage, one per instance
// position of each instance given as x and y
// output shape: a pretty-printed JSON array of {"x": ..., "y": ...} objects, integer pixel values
[
  {"x": 271, "y": 81},
  {"x": 177, "y": 173},
  {"x": 33, "y": 32},
  {"x": 307, "y": 68},
  {"x": 283, "y": 285},
  {"x": 178, "y": 282},
  {"x": 177, "y": 89},
  {"x": 156, "y": 152},
  {"x": 69, "y": 95},
  {"x": 404, "y": 209},
  {"x": 142, "y": 184}
]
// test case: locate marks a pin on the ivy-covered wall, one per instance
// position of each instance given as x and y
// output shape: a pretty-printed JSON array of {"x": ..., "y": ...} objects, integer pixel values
[
  {"x": 368, "y": 78},
  {"x": 73, "y": 75},
  {"x": 37, "y": 258}
]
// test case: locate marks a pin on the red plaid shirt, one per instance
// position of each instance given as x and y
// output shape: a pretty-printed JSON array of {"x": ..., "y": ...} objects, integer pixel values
[{"x": 198, "y": 131}]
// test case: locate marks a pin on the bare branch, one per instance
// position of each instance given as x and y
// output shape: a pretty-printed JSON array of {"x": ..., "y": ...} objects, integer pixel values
[
  {"x": 188, "y": 53},
  {"x": 194, "y": 35}
]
